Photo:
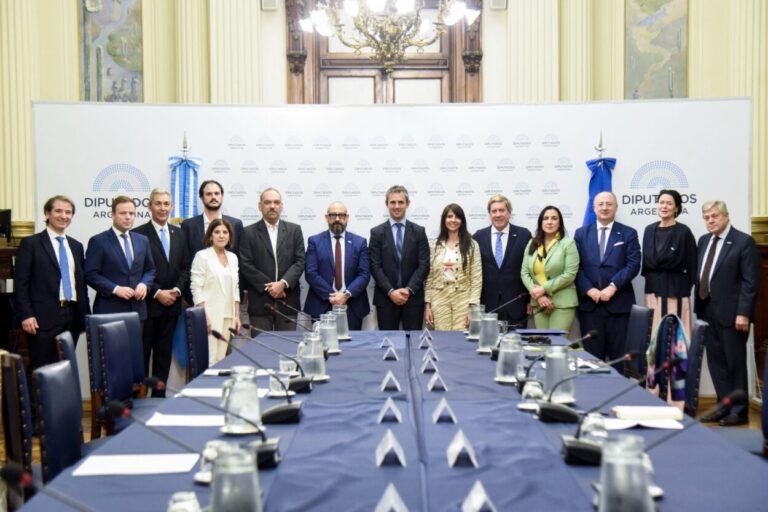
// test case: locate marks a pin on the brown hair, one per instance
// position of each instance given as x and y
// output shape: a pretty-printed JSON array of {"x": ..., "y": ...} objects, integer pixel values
[
  {"x": 207, "y": 241},
  {"x": 120, "y": 200},
  {"x": 48, "y": 206}
]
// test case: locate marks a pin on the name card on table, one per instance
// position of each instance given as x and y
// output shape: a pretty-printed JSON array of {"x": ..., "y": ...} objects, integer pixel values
[
  {"x": 430, "y": 354},
  {"x": 390, "y": 382},
  {"x": 390, "y": 413},
  {"x": 386, "y": 343},
  {"x": 389, "y": 452},
  {"x": 436, "y": 383},
  {"x": 460, "y": 451},
  {"x": 425, "y": 343},
  {"x": 477, "y": 500},
  {"x": 429, "y": 366},
  {"x": 391, "y": 501},
  {"x": 391, "y": 355},
  {"x": 443, "y": 413}
]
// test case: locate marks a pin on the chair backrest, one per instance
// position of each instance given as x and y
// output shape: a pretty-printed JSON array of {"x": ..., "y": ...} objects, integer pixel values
[
  {"x": 114, "y": 346},
  {"x": 639, "y": 329},
  {"x": 17, "y": 411},
  {"x": 693, "y": 375},
  {"x": 60, "y": 413},
  {"x": 136, "y": 356},
  {"x": 764, "y": 410},
  {"x": 197, "y": 341},
  {"x": 65, "y": 345}
]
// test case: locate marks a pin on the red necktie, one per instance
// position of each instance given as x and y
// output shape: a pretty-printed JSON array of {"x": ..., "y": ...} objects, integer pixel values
[{"x": 337, "y": 263}]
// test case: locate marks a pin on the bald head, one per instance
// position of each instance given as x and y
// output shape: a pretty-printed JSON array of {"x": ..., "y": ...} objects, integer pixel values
[
  {"x": 605, "y": 206},
  {"x": 336, "y": 216}
]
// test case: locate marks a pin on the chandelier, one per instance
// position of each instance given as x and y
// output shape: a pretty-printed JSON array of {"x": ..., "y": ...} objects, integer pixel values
[{"x": 387, "y": 27}]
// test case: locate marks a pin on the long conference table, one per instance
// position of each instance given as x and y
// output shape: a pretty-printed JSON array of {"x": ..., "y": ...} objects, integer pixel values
[{"x": 329, "y": 457}]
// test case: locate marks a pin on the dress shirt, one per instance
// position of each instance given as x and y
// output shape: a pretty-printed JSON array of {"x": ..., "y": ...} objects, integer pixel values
[
  {"x": 207, "y": 222},
  {"x": 272, "y": 232},
  {"x": 719, "y": 247},
  {"x": 70, "y": 260},
  {"x": 342, "y": 241},
  {"x": 609, "y": 228},
  {"x": 121, "y": 241},
  {"x": 504, "y": 239},
  {"x": 158, "y": 227},
  {"x": 392, "y": 223}
]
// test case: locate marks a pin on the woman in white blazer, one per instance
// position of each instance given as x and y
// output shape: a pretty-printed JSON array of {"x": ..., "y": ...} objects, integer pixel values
[{"x": 215, "y": 285}]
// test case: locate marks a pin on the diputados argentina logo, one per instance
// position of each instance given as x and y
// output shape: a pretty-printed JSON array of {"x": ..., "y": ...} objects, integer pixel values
[
  {"x": 115, "y": 180},
  {"x": 652, "y": 177}
]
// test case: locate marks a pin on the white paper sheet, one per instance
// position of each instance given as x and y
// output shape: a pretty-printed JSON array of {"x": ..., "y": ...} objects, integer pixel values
[
  {"x": 186, "y": 420},
  {"x": 214, "y": 372},
  {"x": 619, "y": 424},
  {"x": 144, "y": 464},
  {"x": 647, "y": 412},
  {"x": 211, "y": 392}
]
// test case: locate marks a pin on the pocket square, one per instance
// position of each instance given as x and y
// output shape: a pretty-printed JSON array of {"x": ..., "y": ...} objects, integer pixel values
[{"x": 618, "y": 243}]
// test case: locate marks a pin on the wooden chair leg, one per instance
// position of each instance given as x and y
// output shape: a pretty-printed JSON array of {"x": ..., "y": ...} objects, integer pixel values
[{"x": 95, "y": 421}]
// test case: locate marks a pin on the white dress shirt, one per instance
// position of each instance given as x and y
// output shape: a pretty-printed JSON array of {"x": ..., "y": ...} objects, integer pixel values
[
  {"x": 504, "y": 239},
  {"x": 719, "y": 248},
  {"x": 70, "y": 260},
  {"x": 343, "y": 242}
]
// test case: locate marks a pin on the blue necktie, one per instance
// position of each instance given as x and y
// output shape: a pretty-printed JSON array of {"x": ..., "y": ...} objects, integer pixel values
[
  {"x": 66, "y": 283},
  {"x": 166, "y": 244},
  {"x": 602, "y": 242},
  {"x": 399, "y": 248},
  {"x": 127, "y": 249},
  {"x": 499, "y": 252}
]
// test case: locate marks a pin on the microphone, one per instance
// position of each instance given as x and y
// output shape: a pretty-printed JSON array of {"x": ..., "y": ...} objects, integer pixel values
[
  {"x": 577, "y": 451},
  {"x": 286, "y": 338},
  {"x": 550, "y": 412},
  {"x": 272, "y": 309},
  {"x": 267, "y": 452},
  {"x": 520, "y": 296},
  {"x": 577, "y": 344},
  {"x": 737, "y": 397},
  {"x": 297, "y": 311},
  {"x": 15, "y": 476},
  {"x": 301, "y": 384},
  {"x": 289, "y": 412},
  {"x": 117, "y": 408}
]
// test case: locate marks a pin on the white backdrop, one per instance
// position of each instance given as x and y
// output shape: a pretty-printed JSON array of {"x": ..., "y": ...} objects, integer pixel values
[{"x": 534, "y": 154}]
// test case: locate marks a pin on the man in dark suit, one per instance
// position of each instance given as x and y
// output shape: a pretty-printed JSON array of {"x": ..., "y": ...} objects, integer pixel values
[
  {"x": 50, "y": 292},
  {"x": 338, "y": 269},
  {"x": 726, "y": 291},
  {"x": 399, "y": 253},
  {"x": 118, "y": 264},
  {"x": 271, "y": 263},
  {"x": 212, "y": 195},
  {"x": 609, "y": 258},
  {"x": 502, "y": 245},
  {"x": 169, "y": 253}
]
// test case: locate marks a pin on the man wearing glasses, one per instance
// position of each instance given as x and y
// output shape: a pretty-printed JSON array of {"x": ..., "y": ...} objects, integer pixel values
[{"x": 337, "y": 269}]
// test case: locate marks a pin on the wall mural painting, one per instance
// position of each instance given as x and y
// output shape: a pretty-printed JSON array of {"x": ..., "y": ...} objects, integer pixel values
[
  {"x": 656, "y": 49},
  {"x": 111, "y": 49}
]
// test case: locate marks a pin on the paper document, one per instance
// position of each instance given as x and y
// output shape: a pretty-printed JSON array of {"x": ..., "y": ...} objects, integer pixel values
[
  {"x": 186, "y": 420},
  {"x": 143, "y": 464},
  {"x": 211, "y": 392},
  {"x": 217, "y": 372},
  {"x": 619, "y": 424},
  {"x": 647, "y": 412}
]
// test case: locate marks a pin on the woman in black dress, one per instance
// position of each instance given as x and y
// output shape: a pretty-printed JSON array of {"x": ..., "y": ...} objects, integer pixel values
[{"x": 669, "y": 262}]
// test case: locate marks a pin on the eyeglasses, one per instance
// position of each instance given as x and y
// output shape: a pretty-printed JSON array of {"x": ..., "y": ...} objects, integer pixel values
[{"x": 337, "y": 215}]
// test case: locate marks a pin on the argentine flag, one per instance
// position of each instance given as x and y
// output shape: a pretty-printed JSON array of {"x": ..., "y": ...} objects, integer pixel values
[{"x": 184, "y": 186}]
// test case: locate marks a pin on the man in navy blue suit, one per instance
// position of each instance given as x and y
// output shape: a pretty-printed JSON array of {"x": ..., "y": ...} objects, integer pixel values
[
  {"x": 502, "y": 245},
  {"x": 50, "y": 292},
  {"x": 609, "y": 258},
  {"x": 119, "y": 265},
  {"x": 337, "y": 269},
  {"x": 726, "y": 292}
]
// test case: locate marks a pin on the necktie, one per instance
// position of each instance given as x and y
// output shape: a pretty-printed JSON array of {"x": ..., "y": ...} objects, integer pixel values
[
  {"x": 337, "y": 263},
  {"x": 499, "y": 250},
  {"x": 704, "y": 282},
  {"x": 127, "y": 249},
  {"x": 166, "y": 243},
  {"x": 603, "y": 229},
  {"x": 399, "y": 248},
  {"x": 66, "y": 283}
]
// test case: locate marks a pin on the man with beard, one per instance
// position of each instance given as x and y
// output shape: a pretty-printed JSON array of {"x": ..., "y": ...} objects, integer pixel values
[
  {"x": 212, "y": 195},
  {"x": 337, "y": 269},
  {"x": 271, "y": 264}
]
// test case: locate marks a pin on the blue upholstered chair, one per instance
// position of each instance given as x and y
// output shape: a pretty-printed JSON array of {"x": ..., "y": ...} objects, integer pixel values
[
  {"x": 639, "y": 329},
  {"x": 695, "y": 358},
  {"x": 65, "y": 345},
  {"x": 197, "y": 341},
  {"x": 60, "y": 412},
  {"x": 17, "y": 422}
]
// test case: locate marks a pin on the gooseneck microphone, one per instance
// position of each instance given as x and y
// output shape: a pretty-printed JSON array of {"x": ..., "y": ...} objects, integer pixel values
[
  {"x": 518, "y": 297},
  {"x": 15, "y": 476},
  {"x": 253, "y": 329},
  {"x": 550, "y": 412},
  {"x": 282, "y": 302},
  {"x": 302, "y": 384},
  {"x": 577, "y": 451},
  {"x": 289, "y": 412},
  {"x": 267, "y": 453},
  {"x": 274, "y": 311},
  {"x": 577, "y": 344},
  {"x": 737, "y": 397}
]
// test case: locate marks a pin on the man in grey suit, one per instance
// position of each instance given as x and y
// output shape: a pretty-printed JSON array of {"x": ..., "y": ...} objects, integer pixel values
[
  {"x": 726, "y": 291},
  {"x": 271, "y": 263}
]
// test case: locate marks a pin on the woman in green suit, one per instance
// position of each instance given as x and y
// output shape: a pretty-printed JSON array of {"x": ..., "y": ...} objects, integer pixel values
[{"x": 549, "y": 271}]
